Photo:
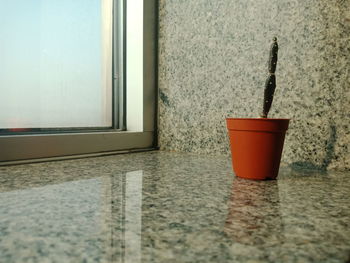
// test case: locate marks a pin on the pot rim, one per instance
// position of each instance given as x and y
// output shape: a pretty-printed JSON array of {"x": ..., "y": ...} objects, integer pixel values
[
  {"x": 259, "y": 119},
  {"x": 257, "y": 124}
]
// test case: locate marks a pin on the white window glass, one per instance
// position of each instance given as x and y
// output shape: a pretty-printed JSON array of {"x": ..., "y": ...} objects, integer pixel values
[{"x": 55, "y": 63}]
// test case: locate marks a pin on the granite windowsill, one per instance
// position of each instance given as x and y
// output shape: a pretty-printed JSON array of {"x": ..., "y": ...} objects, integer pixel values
[{"x": 170, "y": 207}]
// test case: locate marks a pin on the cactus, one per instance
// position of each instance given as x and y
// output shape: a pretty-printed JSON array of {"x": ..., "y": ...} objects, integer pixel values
[{"x": 270, "y": 84}]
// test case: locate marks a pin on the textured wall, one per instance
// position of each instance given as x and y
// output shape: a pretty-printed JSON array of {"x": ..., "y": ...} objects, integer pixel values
[{"x": 213, "y": 64}]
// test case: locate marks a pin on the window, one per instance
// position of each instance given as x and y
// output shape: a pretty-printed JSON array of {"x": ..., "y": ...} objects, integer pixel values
[
  {"x": 56, "y": 64},
  {"x": 76, "y": 77}
]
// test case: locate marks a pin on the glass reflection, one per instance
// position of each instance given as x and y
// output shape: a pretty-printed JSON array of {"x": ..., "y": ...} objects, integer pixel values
[
  {"x": 74, "y": 221},
  {"x": 52, "y": 221},
  {"x": 133, "y": 213}
]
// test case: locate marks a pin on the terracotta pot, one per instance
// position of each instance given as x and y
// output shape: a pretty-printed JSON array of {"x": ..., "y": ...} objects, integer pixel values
[{"x": 256, "y": 146}]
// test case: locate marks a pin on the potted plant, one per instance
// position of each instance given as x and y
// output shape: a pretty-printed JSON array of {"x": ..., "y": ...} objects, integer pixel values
[{"x": 257, "y": 143}]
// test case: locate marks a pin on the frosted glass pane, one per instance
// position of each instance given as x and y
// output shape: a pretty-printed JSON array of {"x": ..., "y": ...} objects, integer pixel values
[{"x": 55, "y": 63}]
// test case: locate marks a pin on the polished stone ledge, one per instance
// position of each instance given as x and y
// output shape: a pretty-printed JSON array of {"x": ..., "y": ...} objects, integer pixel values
[{"x": 170, "y": 207}]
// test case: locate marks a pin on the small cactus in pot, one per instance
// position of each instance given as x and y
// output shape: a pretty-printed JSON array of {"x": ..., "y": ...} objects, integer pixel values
[{"x": 257, "y": 143}]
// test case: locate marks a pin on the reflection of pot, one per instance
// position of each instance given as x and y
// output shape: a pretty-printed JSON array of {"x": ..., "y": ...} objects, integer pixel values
[
  {"x": 254, "y": 213},
  {"x": 256, "y": 146}
]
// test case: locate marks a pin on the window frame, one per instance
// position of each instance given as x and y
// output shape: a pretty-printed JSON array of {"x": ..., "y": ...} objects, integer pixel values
[{"x": 76, "y": 143}]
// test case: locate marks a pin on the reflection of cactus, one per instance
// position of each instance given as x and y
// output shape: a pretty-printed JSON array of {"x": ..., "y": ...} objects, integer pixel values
[{"x": 270, "y": 84}]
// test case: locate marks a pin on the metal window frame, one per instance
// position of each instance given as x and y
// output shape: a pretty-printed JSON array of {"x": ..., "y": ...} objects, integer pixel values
[
  {"x": 22, "y": 148},
  {"x": 119, "y": 63}
]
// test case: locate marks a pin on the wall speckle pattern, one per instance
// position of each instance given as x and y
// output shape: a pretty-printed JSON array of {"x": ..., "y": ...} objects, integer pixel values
[{"x": 213, "y": 64}]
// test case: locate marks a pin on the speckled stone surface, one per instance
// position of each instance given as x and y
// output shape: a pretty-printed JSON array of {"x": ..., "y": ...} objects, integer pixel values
[
  {"x": 170, "y": 207},
  {"x": 213, "y": 64}
]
